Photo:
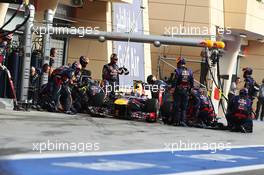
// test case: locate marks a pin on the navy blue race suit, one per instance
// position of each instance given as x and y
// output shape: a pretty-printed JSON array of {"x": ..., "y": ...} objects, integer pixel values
[
  {"x": 59, "y": 86},
  {"x": 85, "y": 75},
  {"x": 110, "y": 76},
  {"x": 79, "y": 92},
  {"x": 34, "y": 85},
  {"x": 251, "y": 85},
  {"x": 206, "y": 111},
  {"x": 183, "y": 82},
  {"x": 200, "y": 107},
  {"x": 194, "y": 104},
  {"x": 239, "y": 114}
]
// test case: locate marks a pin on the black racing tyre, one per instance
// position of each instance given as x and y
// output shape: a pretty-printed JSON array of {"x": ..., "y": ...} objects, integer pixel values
[
  {"x": 248, "y": 127},
  {"x": 220, "y": 126},
  {"x": 77, "y": 105},
  {"x": 165, "y": 109},
  {"x": 151, "y": 105},
  {"x": 93, "y": 115},
  {"x": 151, "y": 120},
  {"x": 165, "y": 112},
  {"x": 97, "y": 99}
]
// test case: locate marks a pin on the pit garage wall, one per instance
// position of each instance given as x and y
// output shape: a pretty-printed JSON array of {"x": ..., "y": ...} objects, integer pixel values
[
  {"x": 228, "y": 62},
  {"x": 137, "y": 60},
  {"x": 204, "y": 15},
  {"x": 99, "y": 14},
  {"x": 129, "y": 17},
  {"x": 93, "y": 14},
  {"x": 147, "y": 50},
  {"x": 248, "y": 18},
  {"x": 254, "y": 58},
  {"x": 245, "y": 14}
]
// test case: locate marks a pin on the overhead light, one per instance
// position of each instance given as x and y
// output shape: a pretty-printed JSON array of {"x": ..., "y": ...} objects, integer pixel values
[{"x": 242, "y": 35}]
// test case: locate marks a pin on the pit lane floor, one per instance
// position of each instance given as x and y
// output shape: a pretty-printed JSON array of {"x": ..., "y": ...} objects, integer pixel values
[{"x": 20, "y": 132}]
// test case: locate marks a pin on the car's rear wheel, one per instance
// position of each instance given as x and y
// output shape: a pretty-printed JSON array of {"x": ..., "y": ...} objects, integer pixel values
[
  {"x": 97, "y": 99},
  {"x": 165, "y": 111},
  {"x": 152, "y": 107}
]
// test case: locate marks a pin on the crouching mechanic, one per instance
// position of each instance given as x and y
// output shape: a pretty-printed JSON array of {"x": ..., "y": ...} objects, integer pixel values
[
  {"x": 60, "y": 81},
  {"x": 79, "y": 91},
  {"x": 182, "y": 84},
  {"x": 202, "y": 108},
  {"x": 239, "y": 113}
]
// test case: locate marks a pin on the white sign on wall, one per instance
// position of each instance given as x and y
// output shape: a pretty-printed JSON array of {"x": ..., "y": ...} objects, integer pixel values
[{"x": 129, "y": 18}]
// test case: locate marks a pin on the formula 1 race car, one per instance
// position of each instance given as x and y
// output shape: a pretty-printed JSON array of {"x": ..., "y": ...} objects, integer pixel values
[{"x": 130, "y": 106}]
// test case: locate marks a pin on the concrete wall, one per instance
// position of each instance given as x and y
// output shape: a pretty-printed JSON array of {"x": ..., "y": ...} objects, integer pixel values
[
  {"x": 93, "y": 14},
  {"x": 3, "y": 10},
  {"x": 99, "y": 14},
  {"x": 203, "y": 15},
  {"x": 245, "y": 14},
  {"x": 217, "y": 13},
  {"x": 255, "y": 17},
  {"x": 147, "y": 50},
  {"x": 239, "y": 15},
  {"x": 235, "y": 15},
  {"x": 41, "y": 6},
  {"x": 254, "y": 58}
]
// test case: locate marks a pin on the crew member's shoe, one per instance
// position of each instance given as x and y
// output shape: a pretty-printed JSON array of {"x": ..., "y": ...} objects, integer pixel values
[
  {"x": 70, "y": 113},
  {"x": 183, "y": 124},
  {"x": 243, "y": 129},
  {"x": 175, "y": 124}
]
